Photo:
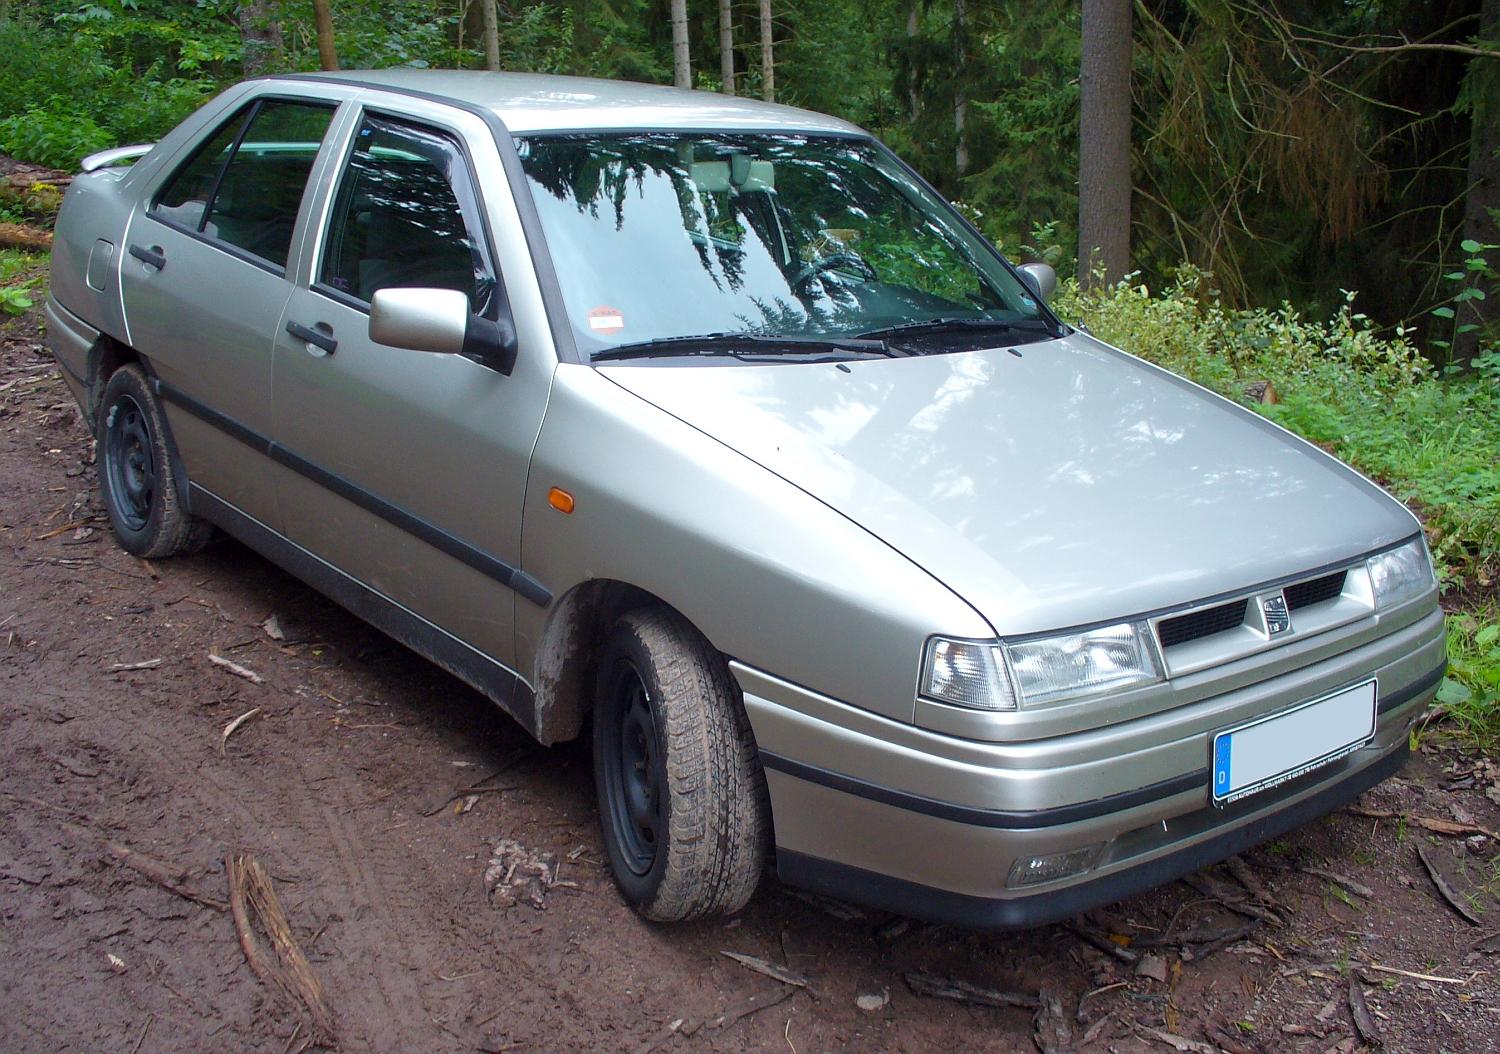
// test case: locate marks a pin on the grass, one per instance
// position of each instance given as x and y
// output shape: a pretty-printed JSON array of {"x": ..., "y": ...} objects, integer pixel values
[{"x": 19, "y": 271}]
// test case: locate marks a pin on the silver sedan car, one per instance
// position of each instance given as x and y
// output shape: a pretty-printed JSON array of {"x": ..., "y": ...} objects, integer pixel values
[{"x": 706, "y": 428}]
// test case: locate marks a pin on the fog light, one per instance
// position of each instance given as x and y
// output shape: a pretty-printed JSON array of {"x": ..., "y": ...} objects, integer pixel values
[{"x": 1038, "y": 869}]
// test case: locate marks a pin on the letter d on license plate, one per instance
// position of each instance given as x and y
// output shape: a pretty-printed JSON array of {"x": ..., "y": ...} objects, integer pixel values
[{"x": 1274, "y": 749}]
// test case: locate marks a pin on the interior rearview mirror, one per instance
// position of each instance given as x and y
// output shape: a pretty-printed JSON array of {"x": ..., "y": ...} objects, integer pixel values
[
  {"x": 1040, "y": 278},
  {"x": 439, "y": 320}
]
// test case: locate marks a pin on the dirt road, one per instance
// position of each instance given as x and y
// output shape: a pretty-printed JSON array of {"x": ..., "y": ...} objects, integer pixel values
[{"x": 343, "y": 784}]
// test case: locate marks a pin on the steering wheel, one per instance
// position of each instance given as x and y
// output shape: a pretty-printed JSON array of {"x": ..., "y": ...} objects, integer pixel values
[{"x": 832, "y": 262}]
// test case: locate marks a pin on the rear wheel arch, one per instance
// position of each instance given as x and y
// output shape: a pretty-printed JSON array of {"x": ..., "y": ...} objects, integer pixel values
[{"x": 105, "y": 357}]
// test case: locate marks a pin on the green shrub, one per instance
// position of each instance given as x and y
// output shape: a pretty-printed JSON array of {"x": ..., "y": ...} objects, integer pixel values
[
  {"x": 62, "y": 97},
  {"x": 49, "y": 137}
]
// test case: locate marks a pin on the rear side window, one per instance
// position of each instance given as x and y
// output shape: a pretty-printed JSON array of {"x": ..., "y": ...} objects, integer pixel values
[
  {"x": 406, "y": 215},
  {"x": 244, "y": 186},
  {"x": 184, "y": 200}
]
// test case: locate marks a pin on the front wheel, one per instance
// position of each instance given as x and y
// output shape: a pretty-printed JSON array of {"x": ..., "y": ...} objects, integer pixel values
[
  {"x": 137, "y": 473},
  {"x": 682, "y": 798}
]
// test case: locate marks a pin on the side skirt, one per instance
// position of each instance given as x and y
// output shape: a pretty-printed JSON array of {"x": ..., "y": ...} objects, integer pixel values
[{"x": 491, "y": 678}]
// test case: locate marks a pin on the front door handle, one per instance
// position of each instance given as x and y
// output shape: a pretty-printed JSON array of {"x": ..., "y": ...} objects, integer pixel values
[
  {"x": 315, "y": 337},
  {"x": 153, "y": 256}
]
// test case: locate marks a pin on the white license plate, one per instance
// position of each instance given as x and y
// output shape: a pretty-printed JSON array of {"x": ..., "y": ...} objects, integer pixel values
[{"x": 1274, "y": 749}]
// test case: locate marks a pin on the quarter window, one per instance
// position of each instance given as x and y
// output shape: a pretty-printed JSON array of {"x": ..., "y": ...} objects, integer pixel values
[
  {"x": 244, "y": 186},
  {"x": 406, "y": 216}
]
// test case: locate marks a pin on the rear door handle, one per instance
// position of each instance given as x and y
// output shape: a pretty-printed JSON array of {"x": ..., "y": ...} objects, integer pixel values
[
  {"x": 153, "y": 256},
  {"x": 315, "y": 337}
]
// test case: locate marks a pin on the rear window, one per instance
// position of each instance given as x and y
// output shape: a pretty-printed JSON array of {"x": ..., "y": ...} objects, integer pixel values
[{"x": 244, "y": 186}]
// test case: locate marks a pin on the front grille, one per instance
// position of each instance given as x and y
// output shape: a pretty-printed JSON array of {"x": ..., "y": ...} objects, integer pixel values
[
  {"x": 1314, "y": 591},
  {"x": 1203, "y": 623}
]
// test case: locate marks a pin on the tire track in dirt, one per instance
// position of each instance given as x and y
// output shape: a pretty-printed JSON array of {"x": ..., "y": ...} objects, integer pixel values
[{"x": 375, "y": 946}]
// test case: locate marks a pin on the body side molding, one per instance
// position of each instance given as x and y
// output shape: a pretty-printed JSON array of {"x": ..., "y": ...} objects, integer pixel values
[{"x": 481, "y": 561}]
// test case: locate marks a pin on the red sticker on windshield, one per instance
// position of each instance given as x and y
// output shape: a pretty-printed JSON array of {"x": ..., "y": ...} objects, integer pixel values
[{"x": 605, "y": 320}]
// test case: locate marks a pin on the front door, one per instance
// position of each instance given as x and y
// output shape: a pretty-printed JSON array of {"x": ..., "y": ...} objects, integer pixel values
[
  {"x": 409, "y": 468},
  {"x": 204, "y": 282}
]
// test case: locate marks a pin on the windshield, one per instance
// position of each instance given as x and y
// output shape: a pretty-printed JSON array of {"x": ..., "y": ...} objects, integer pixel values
[{"x": 663, "y": 236}]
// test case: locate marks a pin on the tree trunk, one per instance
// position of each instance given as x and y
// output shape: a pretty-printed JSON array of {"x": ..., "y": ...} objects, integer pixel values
[
  {"x": 18, "y": 236},
  {"x": 1482, "y": 204},
  {"x": 767, "y": 54},
  {"x": 960, "y": 93},
  {"x": 328, "y": 58},
  {"x": 682, "y": 61},
  {"x": 1104, "y": 142},
  {"x": 260, "y": 36},
  {"x": 913, "y": 28},
  {"x": 726, "y": 46},
  {"x": 491, "y": 35}
]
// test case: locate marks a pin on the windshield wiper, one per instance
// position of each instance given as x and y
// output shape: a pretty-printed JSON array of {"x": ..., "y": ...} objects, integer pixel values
[
  {"x": 726, "y": 343},
  {"x": 937, "y": 325}
]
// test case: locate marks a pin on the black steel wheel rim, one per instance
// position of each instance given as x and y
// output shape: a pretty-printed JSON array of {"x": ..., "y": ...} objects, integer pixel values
[
  {"x": 636, "y": 804},
  {"x": 130, "y": 460}
]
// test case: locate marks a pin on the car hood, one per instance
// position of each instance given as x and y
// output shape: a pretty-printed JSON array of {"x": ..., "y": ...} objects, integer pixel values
[{"x": 1050, "y": 485}]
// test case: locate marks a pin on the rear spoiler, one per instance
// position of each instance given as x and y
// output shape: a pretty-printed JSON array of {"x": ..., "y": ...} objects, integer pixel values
[{"x": 106, "y": 158}]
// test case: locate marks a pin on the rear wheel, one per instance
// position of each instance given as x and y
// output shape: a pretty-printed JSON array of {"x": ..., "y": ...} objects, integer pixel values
[
  {"x": 682, "y": 798},
  {"x": 137, "y": 474}
]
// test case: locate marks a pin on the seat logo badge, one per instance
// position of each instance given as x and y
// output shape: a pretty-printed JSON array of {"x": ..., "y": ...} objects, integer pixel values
[{"x": 1278, "y": 618}]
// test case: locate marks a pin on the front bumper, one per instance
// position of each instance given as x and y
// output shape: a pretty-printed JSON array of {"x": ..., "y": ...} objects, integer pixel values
[{"x": 929, "y": 825}]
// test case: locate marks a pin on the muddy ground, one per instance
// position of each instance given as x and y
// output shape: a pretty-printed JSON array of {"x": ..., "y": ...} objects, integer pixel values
[{"x": 340, "y": 784}]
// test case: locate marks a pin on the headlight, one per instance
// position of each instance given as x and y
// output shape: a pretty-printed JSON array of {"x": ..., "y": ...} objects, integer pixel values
[
  {"x": 1402, "y": 574},
  {"x": 1092, "y": 662},
  {"x": 996, "y": 676},
  {"x": 967, "y": 673}
]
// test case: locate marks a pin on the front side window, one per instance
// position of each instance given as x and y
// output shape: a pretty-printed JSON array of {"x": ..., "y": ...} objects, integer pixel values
[
  {"x": 405, "y": 216},
  {"x": 662, "y": 237},
  {"x": 245, "y": 185}
]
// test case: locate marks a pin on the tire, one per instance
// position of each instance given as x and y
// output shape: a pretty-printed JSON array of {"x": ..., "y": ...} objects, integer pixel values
[
  {"x": 138, "y": 476},
  {"x": 682, "y": 797}
]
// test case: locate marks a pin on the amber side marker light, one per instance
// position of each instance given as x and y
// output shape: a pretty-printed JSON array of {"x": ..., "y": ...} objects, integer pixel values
[{"x": 560, "y": 500}]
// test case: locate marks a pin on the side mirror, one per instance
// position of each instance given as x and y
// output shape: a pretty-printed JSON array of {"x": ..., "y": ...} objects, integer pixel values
[
  {"x": 1040, "y": 278},
  {"x": 439, "y": 320}
]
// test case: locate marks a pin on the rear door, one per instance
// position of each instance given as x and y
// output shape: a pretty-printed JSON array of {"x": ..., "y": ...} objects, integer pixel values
[
  {"x": 410, "y": 467},
  {"x": 204, "y": 283}
]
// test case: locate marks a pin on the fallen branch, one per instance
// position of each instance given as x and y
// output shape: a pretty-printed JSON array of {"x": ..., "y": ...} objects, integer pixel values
[
  {"x": 1247, "y": 878},
  {"x": 924, "y": 983},
  {"x": 1103, "y": 943},
  {"x": 769, "y": 969},
  {"x": 250, "y": 890},
  {"x": 1179, "y": 1043},
  {"x": 1234, "y": 904},
  {"x": 126, "y": 667},
  {"x": 1418, "y": 976},
  {"x": 1363, "y": 1021},
  {"x": 1343, "y": 881},
  {"x": 71, "y": 525},
  {"x": 1456, "y": 902},
  {"x": 1218, "y": 944},
  {"x": 164, "y": 875},
  {"x": 18, "y": 236},
  {"x": 233, "y": 727},
  {"x": 743, "y": 1009},
  {"x": 235, "y": 668},
  {"x": 1427, "y": 823}
]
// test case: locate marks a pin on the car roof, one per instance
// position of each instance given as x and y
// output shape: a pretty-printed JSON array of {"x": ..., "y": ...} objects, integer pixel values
[{"x": 533, "y": 102}]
